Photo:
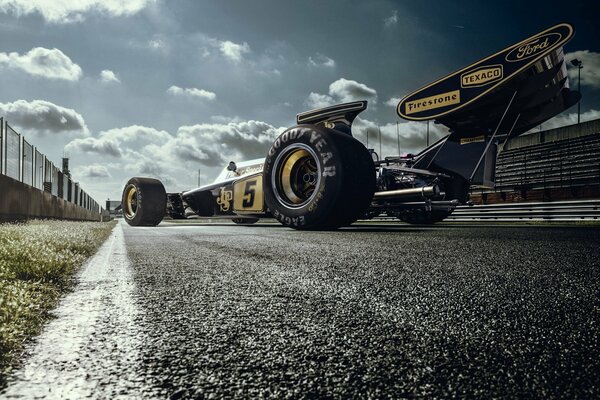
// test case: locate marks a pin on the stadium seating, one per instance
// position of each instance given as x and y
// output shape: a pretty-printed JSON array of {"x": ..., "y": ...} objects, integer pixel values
[{"x": 570, "y": 165}]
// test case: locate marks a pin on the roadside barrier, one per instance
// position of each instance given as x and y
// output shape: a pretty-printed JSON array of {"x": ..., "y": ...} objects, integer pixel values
[
  {"x": 31, "y": 186},
  {"x": 556, "y": 211}
]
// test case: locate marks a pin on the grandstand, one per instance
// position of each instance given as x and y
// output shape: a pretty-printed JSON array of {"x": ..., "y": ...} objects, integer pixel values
[{"x": 556, "y": 164}]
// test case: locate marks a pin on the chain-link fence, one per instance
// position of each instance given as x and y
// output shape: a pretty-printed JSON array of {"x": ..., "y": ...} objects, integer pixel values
[
  {"x": 27, "y": 177},
  {"x": 2, "y": 146},
  {"x": 12, "y": 153},
  {"x": 21, "y": 161},
  {"x": 39, "y": 170}
]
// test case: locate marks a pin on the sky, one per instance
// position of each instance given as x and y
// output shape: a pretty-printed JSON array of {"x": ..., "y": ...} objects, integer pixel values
[{"x": 173, "y": 88}]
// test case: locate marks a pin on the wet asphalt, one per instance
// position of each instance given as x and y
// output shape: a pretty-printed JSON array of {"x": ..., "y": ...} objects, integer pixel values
[{"x": 370, "y": 311}]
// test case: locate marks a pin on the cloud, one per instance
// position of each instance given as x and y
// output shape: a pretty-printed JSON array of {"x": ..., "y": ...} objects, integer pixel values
[
  {"x": 204, "y": 52},
  {"x": 94, "y": 171},
  {"x": 568, "y": 119},
  {"x": 215, "y": 144},
  {"x": 93, "y": 145},
  {"x": 317, "y": 100},
  {"x": 348, "y": 90},
  {"x": 157, "y": 44},
  {"x": 222, "y": 119},
  {"x": 272, "y": 72},
  {"x": 590, "y": 73},
  {"x": 233, "y": 51},
  {"x": 191, "y": 92},
  {"x": 110, "y": 142},
  {"x": 413, "y": 135},
  {"x": 43, "y": 117},
  {"x": 320, "y": 60},
  {"x": 211, "y": 144},
  {"x": 392, "y": 20},
  {"x": 61, "y": 12},
  {"x": 174, "y": 157},
  {"x": 47, "y": 63},
  {"x": 342, "y": 91},
  {"x": 392, "y": 102},
  {"x": 107, "y": 76}
]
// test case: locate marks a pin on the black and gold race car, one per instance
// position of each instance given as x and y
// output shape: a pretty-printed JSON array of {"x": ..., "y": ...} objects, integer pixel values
[{"x": 316, "y": 175}]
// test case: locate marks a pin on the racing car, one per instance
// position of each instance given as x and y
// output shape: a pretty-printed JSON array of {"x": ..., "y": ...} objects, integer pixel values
[{"x": 317, "y": 176}]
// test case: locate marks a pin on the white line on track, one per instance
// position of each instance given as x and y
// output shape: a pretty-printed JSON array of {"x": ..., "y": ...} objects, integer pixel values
[{"x": 91, "y": 349}]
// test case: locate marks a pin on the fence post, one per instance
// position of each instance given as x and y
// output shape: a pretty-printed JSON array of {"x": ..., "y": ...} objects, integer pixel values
[
  {"x": 20, "y": 158},
  {"x": 2, "y": 145}
]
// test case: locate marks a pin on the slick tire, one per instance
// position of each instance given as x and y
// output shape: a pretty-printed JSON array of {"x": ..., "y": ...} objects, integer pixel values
[
  {"x": 317, "y": 178},
  {"x": 144, "y": 202}
]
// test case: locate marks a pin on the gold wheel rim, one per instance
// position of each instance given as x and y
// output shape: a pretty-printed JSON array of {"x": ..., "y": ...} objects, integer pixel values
[
  {"x": 131, "y": 202},
  {"x": 298, "y": 177}
]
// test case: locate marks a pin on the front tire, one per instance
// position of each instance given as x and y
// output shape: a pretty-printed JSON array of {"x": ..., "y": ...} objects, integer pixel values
[
  {"x": 144, "y": 202},
  {"x": 318, "y": 178}
]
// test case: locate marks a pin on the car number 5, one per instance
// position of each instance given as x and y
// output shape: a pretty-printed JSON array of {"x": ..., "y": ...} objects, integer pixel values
[{"x": 249, "y": 193}]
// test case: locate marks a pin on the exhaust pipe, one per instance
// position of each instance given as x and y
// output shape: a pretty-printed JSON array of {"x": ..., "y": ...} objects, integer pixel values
[{"x": 424, "y": 192}]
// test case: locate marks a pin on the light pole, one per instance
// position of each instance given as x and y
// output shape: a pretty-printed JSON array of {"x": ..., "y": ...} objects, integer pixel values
[
  {"x": 577, "y": 63},
  {"x": 398, "y": 135},
  {"x": 379, "y": 140},
  {"x": 198, "y": 177}
]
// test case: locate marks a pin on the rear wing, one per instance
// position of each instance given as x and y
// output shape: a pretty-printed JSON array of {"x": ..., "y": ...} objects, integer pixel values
[
  {"x": 524, "y": 85},
  {"x": 503, "y": 95},
  {"x": 338, "y": 117}
]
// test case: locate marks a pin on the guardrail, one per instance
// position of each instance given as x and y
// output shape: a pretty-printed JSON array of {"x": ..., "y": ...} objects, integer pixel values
[{"x": 540, "y": 211}]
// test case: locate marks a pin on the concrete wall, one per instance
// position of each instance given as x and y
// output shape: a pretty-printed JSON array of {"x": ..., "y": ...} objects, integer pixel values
[
  {"x": 20, "y": 201},
  {"x": 553, "y": 135}
]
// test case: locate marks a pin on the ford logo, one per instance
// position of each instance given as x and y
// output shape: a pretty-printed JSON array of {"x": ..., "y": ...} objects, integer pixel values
[{"x": 533, "y": 47}]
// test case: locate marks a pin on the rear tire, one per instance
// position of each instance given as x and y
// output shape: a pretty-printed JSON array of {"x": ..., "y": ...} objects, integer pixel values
[
  {"x": 144, "y": 202},
  {"x": 317, "y": 178}
]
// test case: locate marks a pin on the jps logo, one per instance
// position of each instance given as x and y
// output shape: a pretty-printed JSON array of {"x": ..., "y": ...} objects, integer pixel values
[
  {"x": 224, "y": 199},
  {"x": 481, "y": 76},
  {"x": 534, "y": 47}
]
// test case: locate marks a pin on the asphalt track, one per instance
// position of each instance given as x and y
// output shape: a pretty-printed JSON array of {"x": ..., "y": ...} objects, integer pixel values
[{"x": 371, "y": 311}]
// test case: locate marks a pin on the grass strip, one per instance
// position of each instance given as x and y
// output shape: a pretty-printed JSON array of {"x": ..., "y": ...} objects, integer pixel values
[{"x": 38, "y": 260}]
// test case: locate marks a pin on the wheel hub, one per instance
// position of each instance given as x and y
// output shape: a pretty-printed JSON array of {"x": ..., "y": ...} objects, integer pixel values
[
  {"x": 297, "y": 175},
  {"x": 131, "y": 202}
]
